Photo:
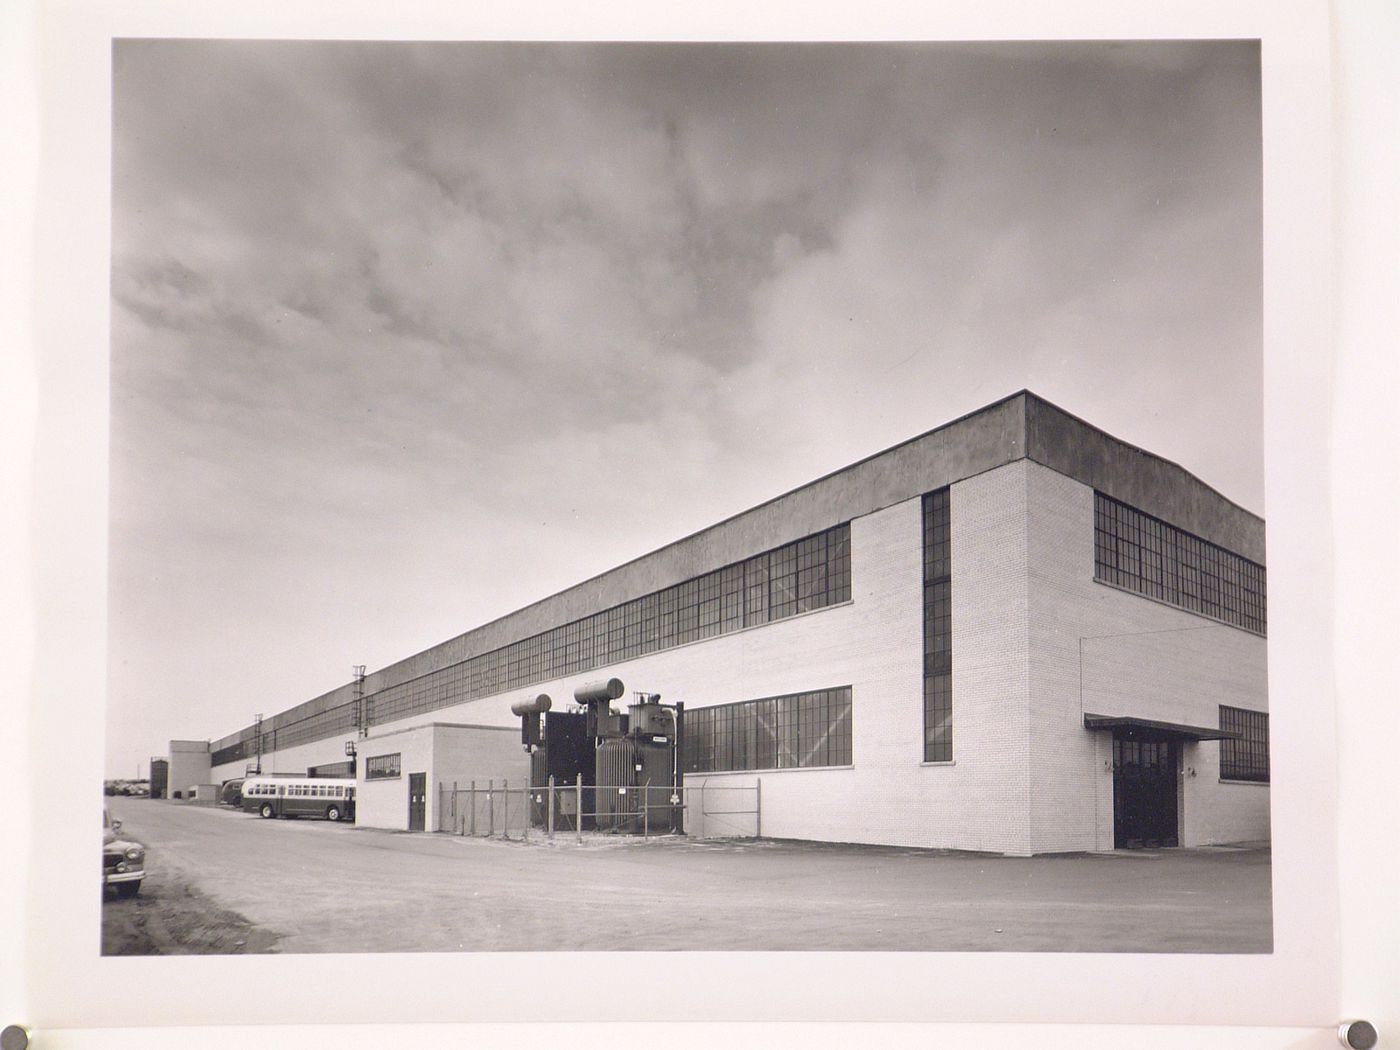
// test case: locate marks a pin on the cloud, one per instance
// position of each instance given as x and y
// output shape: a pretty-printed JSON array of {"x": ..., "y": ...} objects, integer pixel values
[{"x": 406, "y": 335}]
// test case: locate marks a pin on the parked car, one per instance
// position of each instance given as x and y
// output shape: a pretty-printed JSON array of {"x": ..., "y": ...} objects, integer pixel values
[
  {"x": 231, "y": 794},
  {"x": 123, "y": 861}
]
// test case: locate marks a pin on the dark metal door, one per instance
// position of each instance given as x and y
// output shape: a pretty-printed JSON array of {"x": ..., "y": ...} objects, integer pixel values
[
  {"x": 1144, "y": 793},
  {"x": 417, "y": 801}
]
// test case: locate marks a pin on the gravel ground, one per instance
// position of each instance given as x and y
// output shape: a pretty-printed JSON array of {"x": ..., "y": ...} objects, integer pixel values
[
  {"x": 171, "y": 917},
  {"x": 220, "y": 877}
]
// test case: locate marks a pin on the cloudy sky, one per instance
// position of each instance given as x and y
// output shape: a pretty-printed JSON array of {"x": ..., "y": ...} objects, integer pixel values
[{"x": 405, "y": 336}]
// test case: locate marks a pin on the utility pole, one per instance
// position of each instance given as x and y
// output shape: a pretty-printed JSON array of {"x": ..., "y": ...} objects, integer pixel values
[{"x": 361, "y": 710}]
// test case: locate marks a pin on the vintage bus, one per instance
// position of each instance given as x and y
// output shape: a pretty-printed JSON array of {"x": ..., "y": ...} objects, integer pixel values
[{"x": 272, "y": 796}]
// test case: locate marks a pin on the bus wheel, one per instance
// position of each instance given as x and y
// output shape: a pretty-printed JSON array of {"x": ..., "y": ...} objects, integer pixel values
[
  {"x": 332, "y": 812},
  {"x": 266, "y": 810}
]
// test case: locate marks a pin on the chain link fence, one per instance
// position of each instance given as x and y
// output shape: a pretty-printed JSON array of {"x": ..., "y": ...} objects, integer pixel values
[{"x": 497, "y": 809}]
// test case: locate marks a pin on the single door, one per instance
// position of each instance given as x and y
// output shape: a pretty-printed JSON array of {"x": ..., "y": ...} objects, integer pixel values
[
  {"x": 417, "y": 801},
  {"x": 1144, "y": 793}
]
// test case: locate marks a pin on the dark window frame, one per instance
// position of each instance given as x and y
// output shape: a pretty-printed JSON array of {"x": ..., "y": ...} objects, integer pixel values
[
  {"x": 938, "y": 625},
  {"x": 379, "y": 767},
  {"x": 807, "y": 730},
  {"x": 1151, "y": 557},
  {"x": 691, "y": 610},
  {"x": 1246, "y": 759}
]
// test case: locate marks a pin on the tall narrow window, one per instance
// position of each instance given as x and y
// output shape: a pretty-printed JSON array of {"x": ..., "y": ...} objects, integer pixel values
[{"x": 938, "y": 629}]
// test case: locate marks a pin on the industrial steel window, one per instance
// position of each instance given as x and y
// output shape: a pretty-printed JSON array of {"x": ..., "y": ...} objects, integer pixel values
[
  {"x": 1247, "y": 758},
  {"x": 1141, "y": 553},
  {"x": 383, "y": 767},
  {"x": 795, "y": 731},
  {"x": 811, "y": 573},
  {"x": 938, "y": 628}
]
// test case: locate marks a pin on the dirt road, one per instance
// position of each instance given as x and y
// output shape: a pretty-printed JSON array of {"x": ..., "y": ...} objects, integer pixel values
[{"x": 312, "y": 886}]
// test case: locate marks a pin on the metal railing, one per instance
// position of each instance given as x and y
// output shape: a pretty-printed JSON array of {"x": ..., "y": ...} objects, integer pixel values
[{"x": 491, "y": 809}]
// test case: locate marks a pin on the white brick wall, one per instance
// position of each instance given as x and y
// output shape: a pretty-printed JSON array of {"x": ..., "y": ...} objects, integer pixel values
[
  {"x": 445, "y": 753},
  {"x": 384, "y": 803},
  {"x": 462, "y": 754},
  {"x": 1140, "y": 658},
  {"x": 990, "y": 685}
]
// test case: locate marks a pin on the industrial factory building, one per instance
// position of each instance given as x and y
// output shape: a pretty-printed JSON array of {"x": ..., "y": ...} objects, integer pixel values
[{"x": 1013, "y": 633}]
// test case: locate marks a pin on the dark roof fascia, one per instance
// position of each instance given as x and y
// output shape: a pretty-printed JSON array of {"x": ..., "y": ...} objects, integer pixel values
[{"x": 1144, "y": 480}]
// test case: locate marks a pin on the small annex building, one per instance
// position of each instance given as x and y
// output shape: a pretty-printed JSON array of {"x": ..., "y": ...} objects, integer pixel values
[
  {"x": 402, "y": 773},
  {"x": 189, "y": 767},
  {"x": 1013, "y": 633}
]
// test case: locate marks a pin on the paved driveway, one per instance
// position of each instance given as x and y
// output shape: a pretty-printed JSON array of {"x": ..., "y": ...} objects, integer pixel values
[{"x": 321, "y": 887}]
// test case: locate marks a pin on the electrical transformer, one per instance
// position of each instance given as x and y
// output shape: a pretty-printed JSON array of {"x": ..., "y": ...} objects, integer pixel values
[
  {"x": 637, "y": 773},
  {"x": 627, "y": 763}
]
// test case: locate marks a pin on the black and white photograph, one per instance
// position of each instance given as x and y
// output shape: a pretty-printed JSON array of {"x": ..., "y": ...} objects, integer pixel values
[
  {"x": 741, "y": 524},
  {"x": 694, "y": 497}
]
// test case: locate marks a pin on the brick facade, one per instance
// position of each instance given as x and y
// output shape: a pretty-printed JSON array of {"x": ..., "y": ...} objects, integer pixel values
[{"x": 1126, "y": 655}]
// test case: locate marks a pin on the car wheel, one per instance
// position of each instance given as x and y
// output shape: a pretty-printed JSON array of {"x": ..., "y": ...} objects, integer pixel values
[
  {"x": 266, "y": 810},
  {"x": 126, "y": 890},
  {"x": 332, "y": 812}
]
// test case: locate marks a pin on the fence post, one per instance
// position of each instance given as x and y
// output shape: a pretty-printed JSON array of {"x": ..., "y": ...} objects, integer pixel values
[
  {"x": 491, "y": 807},
  {"x": 550, "y": 826},
  {"x": 758, "y": 807},
  {"x": 578, "y": 808},
  {"x": 454, "y": 805},
  {"x": 646, "y": 810},
  {"x": 505, "y": 809},
  {"x": 473, "y": 809}
]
